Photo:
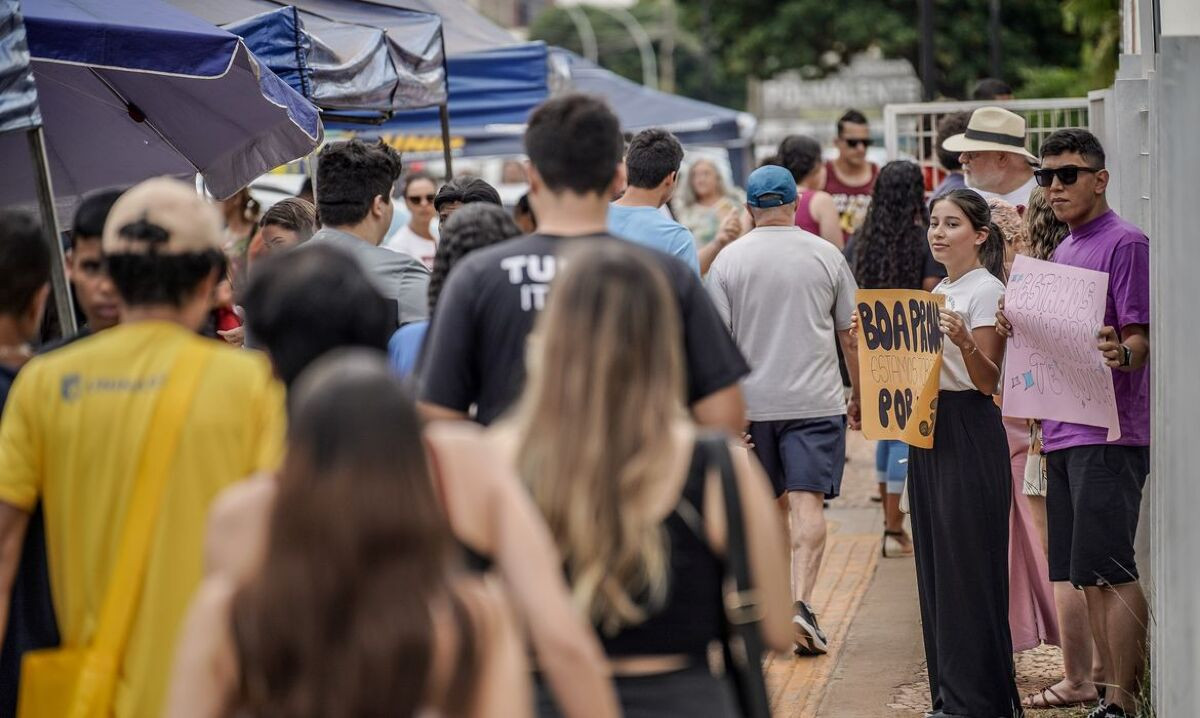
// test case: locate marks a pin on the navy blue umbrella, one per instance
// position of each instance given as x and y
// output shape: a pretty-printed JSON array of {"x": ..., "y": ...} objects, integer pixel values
[{"x": 130, "y": 89}]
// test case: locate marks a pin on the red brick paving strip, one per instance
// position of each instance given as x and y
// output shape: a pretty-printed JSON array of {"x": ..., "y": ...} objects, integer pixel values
[{"x": 796, "y": 684}]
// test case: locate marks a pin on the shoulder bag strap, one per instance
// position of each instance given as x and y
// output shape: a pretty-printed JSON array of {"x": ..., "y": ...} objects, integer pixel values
[
  {"x": 158, "y": 450},
  {"x": 743, "y": 610}
]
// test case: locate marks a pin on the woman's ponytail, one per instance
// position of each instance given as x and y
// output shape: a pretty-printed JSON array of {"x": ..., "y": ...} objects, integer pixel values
[{"x": 991, "y": 252}]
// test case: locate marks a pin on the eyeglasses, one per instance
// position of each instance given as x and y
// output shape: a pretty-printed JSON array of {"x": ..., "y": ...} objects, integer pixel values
[
  {"x": 1067, "y": 175},
  {"x": 858, "y": 142},
  {"x": 419, "y": 199}
]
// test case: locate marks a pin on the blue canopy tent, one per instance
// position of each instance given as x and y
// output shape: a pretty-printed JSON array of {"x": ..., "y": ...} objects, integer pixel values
[
  {"x": 130, "y": 89},
  {"x": 637, "y": 107},
  {"x": 494, "y": 79},
  {"x": 343, "y": 61}
]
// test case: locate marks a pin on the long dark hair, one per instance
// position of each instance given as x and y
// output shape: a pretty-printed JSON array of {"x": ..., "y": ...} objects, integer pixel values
[
  {"x": 338, "y": 621},
  {"x": 473, "y": 227},
  {"x": 975, "y": 207},
  {"x": 888, "y": 251}
]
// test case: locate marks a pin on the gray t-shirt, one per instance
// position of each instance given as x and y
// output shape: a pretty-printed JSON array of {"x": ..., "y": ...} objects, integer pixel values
[
  {"x": 397, "y": 276},
  {"x": 783, "y": 292}
]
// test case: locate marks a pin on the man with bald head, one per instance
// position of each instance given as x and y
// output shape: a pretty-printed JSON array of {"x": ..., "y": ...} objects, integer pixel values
[{"x": 785, "y": 294}]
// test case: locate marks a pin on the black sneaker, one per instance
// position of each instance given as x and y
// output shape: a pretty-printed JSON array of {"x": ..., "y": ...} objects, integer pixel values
[
  {"x": 810, "y": 640},
  {"x": 1109, "y": 711}
]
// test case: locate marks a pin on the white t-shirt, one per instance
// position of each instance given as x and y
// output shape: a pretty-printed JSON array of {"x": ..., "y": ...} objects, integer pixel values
[
  {"x": 784, "y": 293},
  {"x": 409, "y": 242},
  {"x": 975, "y": 296},
  {"x": 1019, "y": 197}
]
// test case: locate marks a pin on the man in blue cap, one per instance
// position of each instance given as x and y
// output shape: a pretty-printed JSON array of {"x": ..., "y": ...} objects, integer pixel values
[{"x": 784, "y": 293}]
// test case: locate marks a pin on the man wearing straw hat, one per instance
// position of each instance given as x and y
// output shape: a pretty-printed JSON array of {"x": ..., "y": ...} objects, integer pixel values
[{"x": 993, "y": 155}]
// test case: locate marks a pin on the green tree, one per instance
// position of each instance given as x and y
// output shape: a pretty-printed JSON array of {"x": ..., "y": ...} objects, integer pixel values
[
  {"x": 1048, "y": 47},
  {"x": 1098, "y": 23},
  {"x": 697, "y": 75}
]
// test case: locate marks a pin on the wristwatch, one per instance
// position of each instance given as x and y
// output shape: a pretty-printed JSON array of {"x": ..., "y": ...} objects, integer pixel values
[{"x": 1126, "y": 355}]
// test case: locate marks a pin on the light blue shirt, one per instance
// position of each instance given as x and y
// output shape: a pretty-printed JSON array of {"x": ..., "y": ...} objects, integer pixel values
[
  {"x": 404, "y": 348},
  {"x": 649, "y": 227}
]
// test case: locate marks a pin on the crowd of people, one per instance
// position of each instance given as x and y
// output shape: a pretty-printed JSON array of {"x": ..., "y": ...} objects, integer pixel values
[{"x": 570, "y": 460}]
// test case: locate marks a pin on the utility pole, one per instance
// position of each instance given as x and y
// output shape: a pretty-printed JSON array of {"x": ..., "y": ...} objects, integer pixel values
[
  {"x": 666, "y": 47},
  {"x": 994, "y": 38},
  {"x": 928, "y": 70}
]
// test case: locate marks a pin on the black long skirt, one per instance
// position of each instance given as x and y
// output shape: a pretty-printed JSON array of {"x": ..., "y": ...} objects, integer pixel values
[{"x": 960, "y": 494}]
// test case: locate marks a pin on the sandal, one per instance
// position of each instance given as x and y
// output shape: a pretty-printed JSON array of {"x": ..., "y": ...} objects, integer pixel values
[
  {"x": 893, "y": 547},
  {"x": 1051, "y": 699}
]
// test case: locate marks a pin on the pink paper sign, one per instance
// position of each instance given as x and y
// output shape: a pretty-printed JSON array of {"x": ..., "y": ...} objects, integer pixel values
[{"x": 1052, "y": 369}]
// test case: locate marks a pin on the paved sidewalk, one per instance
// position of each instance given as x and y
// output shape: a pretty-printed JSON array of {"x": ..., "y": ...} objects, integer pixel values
[{"x": 868, "y": 608}]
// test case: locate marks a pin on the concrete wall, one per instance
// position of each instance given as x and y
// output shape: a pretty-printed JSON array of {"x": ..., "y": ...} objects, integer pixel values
[{"x": 1175, "y": 263}]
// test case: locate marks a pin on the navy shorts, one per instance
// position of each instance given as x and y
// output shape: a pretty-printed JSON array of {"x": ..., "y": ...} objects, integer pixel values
[
  {"x": 802, "y": 454},
  {"x": 1093, "y": 495}
]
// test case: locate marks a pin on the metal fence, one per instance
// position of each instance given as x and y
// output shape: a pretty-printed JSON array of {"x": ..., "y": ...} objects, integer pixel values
[{"x": 910, "y": 130}]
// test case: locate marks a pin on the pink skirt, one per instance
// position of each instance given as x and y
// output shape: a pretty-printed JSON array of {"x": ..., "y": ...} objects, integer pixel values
[{"x": 1031, "y": 613}]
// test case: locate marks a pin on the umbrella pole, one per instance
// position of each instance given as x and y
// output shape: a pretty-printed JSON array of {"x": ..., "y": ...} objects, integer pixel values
[
  {"x": 444, "y": 116},
  {"x": 58, "y": 264}
]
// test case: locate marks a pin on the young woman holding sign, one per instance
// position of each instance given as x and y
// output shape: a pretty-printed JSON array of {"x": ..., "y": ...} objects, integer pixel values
[{"x": 960, "y": 491}]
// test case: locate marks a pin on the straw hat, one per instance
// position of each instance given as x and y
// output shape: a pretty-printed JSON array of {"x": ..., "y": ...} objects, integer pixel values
[{"x": 992, "y": 129}]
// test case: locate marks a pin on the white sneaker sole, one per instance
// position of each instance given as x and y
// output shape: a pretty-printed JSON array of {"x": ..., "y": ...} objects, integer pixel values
[{"x": 808, "y": 640}]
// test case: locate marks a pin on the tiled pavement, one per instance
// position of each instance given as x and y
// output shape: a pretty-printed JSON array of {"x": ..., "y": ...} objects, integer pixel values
[{"x": 798, "y": 686}]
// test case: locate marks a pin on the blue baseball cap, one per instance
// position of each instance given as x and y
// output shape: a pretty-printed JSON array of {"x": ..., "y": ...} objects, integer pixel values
[{"x": 770, "y": 186}]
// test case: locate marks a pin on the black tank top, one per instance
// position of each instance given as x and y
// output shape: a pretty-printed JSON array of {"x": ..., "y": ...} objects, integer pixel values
[{"x": 692, "y": 615}]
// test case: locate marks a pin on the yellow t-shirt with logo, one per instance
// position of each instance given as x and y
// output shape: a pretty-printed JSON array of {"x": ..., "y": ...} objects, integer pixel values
[{"x": 72, "y": 435}]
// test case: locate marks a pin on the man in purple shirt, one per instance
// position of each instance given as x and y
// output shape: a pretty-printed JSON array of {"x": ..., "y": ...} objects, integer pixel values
[{"x": 1095, "y": 486}]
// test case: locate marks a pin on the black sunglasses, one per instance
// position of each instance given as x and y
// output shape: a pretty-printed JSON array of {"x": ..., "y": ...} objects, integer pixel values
[
  {"x": 859, "y": 143},
  {"x": 1067, "y": 175},
  {"x": 416, "y": 199}
]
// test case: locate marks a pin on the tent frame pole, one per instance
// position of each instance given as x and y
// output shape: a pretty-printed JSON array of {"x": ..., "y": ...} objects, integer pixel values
[
  {"x": 58, "y": 260},
  {"x": 444, "y": 117}
]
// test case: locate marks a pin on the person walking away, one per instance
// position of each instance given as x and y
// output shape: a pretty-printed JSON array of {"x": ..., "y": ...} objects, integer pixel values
[
  {"x": 610, "y": 456},
  {"x": 162, "y": 245},
  {"x": 315, "y": 300},
  {"x": 794, "y": 397},
  {"x": 1082, "y": 665},
  {"x": 386, "y": 565},
  {"x": 948, "y": 126},
  {"x": 475, "y": 226},
  {"x": 1095, "y": 486},
  {"x": 706, "y": 202},
  {"x": 354, "y": 204},
  {"x": 993, "y": 155},
  {"x": 890, "y": 251},
  {"x": 416, "y": 237},
  {"x": 960, "y": 491},
  {"x": 850, "y": 178},
  {"x": 24, "y": 290},
  {"x": 815, "y": 210},
  {"x": 652, "y": 162},
  {"x": 475, "y": 350},
  {"x": 1031, "y": 610}
]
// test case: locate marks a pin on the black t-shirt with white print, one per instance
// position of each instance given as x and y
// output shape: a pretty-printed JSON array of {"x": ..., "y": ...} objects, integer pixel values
[{"x": 474, "y": 352}]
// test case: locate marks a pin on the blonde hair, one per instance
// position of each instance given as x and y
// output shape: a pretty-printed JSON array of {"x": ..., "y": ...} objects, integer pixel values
[{"x": 606, "y": 382}]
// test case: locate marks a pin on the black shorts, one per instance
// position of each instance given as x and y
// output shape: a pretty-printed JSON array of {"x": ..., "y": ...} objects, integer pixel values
[
  {"x": 1093, "y": 496},
  {"x": 802, "y": 454}
]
